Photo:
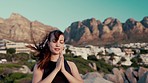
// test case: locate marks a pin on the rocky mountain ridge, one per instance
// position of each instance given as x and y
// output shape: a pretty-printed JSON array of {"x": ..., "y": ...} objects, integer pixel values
[
  {"x": 89, "y": 31},
  {"x": 111, "y": 31},
  {"x": 18, "y": 28}
]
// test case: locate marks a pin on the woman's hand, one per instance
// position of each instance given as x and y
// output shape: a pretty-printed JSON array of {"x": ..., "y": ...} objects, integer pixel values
[
  {"x": 63, "y": 67},
  {"x": 59, "y": 62}
]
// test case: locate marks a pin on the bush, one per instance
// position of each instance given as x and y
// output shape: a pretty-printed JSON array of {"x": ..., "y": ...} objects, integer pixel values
[
  {"x": 123, "y": 59},
  {"x": 11, "y": 51},
  {"x": 102, "y": 66},
  {"x": 143, "y": 51},
  {"x": 83, "y": 67},
  {"x": 26, "y": 79},
  {"x": 10, "y": 65},
  {"x": 16, "y": 78},
  {"x": 92, "y": 57},
  {"x": 81, "y": 63}
]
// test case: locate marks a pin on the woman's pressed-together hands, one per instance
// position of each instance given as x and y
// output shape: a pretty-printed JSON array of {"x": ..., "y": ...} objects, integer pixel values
[{"x": 60, "y": 63}]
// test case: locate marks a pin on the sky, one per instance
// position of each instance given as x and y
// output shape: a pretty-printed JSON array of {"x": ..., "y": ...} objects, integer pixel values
[{"x": 61, "y": 13}]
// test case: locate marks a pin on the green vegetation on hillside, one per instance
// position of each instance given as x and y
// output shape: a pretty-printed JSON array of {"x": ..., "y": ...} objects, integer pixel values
[
  {"x": 83, "y": 67},
  {"x": 7, "y": 76},
  {"x": 81, "y": 63}
]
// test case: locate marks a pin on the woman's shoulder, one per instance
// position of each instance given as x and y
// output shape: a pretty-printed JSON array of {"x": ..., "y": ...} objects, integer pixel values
[
  {"x": 70, "y": 63},
  {"x": 37, "y": 68}
]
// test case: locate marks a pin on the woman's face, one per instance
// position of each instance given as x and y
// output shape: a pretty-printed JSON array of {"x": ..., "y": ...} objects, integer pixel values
[{"x": 56, "y": 47}]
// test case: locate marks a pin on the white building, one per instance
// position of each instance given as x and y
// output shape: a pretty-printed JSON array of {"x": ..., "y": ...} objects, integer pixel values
[
  {"x": 3, "y": 61},
  {"x": 3, "y": 46},
  {"x": 84, "y": 52},
  {"x": 116, "y": 51},
  {"x": 144, "y": 58},
  {"x": 20, "y": 47}
]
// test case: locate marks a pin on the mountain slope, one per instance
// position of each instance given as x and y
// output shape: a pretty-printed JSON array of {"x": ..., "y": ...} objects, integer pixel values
[
  {"x": 92, "y": 31},
  {"x": 19, "y": 28}
]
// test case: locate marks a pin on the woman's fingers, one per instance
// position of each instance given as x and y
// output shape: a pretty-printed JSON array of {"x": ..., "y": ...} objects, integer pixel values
[
  {"x": 60, "y": 61},
  {"x": 58, "y": 64},
  {"x": 60, "y": 54}
]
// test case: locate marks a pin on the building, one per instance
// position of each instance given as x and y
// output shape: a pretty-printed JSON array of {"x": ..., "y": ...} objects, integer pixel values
[
  {"x": 20, "y": 47},
  {"x": 3, "y": 46},
  {"x": 129, "y": 52},
  {"x": 3, "y": 61}
]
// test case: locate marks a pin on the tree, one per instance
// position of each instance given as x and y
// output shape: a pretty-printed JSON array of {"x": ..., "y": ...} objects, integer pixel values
[
  {"x": 143, "y": 51},
  {"x": 119, "y": 63},
  {"x": 122, "y": 59},
  {"x": 112, "y": 57},
  {"x": 11, "y": 51},
  {"x": 68, "y": 51},
  {"x": 140, "y": 60},
  {"x": 92, "y": 57}
]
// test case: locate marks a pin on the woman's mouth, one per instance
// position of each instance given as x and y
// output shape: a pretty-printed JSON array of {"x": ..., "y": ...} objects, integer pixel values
[{"x": 56, "y": 49}]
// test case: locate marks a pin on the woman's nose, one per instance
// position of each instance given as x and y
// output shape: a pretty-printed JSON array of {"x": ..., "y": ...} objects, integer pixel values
[{"x": 57, "y": 44}]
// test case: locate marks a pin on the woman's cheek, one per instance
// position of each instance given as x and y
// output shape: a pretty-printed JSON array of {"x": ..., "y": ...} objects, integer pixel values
[{"x": 62, "y": 48}]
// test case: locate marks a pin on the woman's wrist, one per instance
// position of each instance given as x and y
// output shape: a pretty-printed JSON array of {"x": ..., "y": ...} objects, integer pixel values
[
  {"x": 63, "y": 70},
  {"x": 56, "y": 70}
]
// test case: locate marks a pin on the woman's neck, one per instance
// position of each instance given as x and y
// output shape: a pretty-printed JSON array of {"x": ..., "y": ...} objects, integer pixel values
[{"x": 54, "y": 57}]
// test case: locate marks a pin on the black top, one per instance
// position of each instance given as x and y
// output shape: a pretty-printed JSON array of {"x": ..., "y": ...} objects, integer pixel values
[{"x": 59, "y": 78}]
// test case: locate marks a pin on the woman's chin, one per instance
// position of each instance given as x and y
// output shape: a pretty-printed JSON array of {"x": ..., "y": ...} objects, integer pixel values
[{"x": 56, "y": 52}]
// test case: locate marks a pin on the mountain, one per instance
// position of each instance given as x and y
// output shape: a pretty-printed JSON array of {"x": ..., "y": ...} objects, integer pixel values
[
  {"x": 110, "y": 31},
  {"x": 18, "y": 28},
  {"x": 89, "y": 31}
]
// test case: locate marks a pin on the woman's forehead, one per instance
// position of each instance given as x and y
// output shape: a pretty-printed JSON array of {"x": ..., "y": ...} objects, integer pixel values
[{"x": 60, "y": 36}]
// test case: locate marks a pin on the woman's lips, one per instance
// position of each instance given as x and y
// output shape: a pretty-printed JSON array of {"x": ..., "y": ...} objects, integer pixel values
[{"x": 56, "y": 49}]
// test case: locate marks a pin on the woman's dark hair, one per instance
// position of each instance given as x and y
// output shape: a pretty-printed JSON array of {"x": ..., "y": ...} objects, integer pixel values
[{"x": 43, "y": 51}]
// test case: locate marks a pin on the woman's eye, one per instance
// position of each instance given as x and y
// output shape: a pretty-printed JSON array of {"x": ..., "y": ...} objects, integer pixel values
[
  {"x": 54, "y": 40},
  {"x": 62, "y": 42}
]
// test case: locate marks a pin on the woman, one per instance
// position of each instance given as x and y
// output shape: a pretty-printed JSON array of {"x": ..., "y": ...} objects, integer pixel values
[{"x": 51, "y": 66}]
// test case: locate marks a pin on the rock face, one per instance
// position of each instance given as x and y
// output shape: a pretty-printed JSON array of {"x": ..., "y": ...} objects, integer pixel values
[
  {"x": 19, "y": 28},
  {"x": 116, "y": 77},
  {"x": 130, "y": 75},
  {"x": 78, "y": 32},
  {"x": 145, "y": 21},
  {"x": 144, "y": 78},
  {"x": 135, "y": 31},
  {"x": 94, "y": 77},
  {"x": 89, "y": 31},
  {"x": 92, "y": 31}
]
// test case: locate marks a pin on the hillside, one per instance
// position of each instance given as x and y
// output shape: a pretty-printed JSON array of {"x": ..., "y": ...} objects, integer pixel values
[{"x": 19, "y": 28}]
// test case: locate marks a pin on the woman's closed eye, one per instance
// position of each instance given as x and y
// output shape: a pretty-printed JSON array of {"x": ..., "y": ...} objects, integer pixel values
[
  {"x": 62, "y": 42},
  {"x": 54, "y": 41}
]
